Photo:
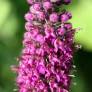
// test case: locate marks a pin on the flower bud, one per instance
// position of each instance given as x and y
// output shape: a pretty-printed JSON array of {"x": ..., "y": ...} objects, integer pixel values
[
  {"x": 47, "y": 5},
  {"x": 29, "y": 17},
  {"x": 53, "y": 17},
  {"x": 65, "y": 16}
]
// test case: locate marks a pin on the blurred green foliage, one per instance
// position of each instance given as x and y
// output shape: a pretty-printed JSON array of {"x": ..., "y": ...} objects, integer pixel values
[{"x": 11, "y": 35}]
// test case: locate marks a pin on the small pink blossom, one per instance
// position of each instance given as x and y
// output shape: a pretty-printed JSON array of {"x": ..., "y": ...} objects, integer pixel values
[
  {"x": 54, "y": 17},
  {"x": 47, "y": 5}
]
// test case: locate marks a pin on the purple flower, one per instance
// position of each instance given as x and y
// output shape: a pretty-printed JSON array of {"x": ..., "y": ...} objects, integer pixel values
[
  {"x": 47, "y": 5},
  {"x": 29, "y": 17},
  {"x": 48, "y": 47},
  {"x": 65, "y": 16},
  {"x": 53, "y": 17},
  {"x": 37, "y": 6},
  {"x": 41, "y": 69},
  {"x": 40, "y": 15}
]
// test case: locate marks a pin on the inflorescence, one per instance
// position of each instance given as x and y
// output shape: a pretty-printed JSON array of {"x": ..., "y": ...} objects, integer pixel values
[{"x": 47, "y": 57}]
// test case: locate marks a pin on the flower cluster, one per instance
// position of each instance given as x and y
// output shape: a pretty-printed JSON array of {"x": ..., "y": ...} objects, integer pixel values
[{"x": 46, "y": 59}]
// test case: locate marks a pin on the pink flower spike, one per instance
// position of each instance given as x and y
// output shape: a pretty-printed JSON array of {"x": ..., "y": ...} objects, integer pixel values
[{"x": 48, "y": 48}]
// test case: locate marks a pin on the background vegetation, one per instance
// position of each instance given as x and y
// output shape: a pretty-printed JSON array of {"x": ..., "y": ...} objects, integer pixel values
[{"x": 11, "y": 35}]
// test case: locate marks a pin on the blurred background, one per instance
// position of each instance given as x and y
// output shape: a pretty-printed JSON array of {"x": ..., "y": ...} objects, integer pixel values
[{"x": 11, "y": 35}]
